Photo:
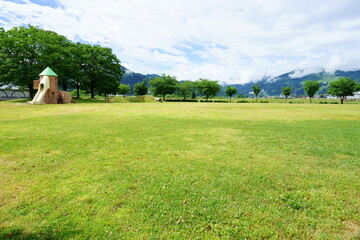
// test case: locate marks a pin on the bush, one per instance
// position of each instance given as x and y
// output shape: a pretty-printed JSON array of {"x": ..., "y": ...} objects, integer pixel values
[
  {"x": 243, "y": 101},
  {"x": 323, "y": 102},
  {"x": 220, "y": 101},
  {"x": 334, "y": 103},
  {"x": 267, "y": 102}
]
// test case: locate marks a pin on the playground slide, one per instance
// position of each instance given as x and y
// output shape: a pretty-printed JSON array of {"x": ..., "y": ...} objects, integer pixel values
[{"x": 42, "y": 89}]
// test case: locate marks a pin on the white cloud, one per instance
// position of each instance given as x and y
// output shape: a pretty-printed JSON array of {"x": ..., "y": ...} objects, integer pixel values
[{"x": 229, "y": 40}]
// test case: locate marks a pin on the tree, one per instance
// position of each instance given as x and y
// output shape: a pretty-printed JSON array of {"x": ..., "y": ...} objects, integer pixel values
[
  {"x": 27, "y": 51},
  {"x": 141, "y": 88},
  {"x": 342, "y": 88},
  {"x": 286, "y": 91},
  {"x": 230, "y": 91},
  {"x": 102, "y": 70},
  {"x": 185, "y": 89},
  {"x": 123, "y": 89},
  {"x": 256, "y": 88},
  {"x": 311, "y": 88},
  {"x": 207, "y": 88},
  {"x": 163, "y": 85}
]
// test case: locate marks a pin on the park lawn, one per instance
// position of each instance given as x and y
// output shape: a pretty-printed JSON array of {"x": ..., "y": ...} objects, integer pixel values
[{"x": 179, "y": 171}]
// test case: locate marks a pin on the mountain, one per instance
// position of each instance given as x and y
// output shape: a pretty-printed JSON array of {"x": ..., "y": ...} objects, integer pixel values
[
  {"x": 131, "y": 78},
  {"x": 270, "y": 86},
  {"x": 296, "y": 79}
]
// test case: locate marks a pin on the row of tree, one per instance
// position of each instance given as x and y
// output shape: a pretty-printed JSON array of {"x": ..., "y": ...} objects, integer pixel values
[
  {"x": 165, "y": 84},
  {"x": 340, "y": 88},
  {"x": 27, "y": 51}
]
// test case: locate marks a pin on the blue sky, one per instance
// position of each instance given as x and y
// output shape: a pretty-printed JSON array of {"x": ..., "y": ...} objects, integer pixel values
[{"x": 233, "y": 41}]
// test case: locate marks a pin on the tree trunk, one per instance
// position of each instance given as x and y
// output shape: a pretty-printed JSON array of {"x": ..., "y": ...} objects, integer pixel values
[
  {"x": 124, "y": 96},
  {"x": 341, "y": 100},
  {"x": 164, "y": 97},
  {"x": 255, "y": 98},
  {"x": 230, "y": 99},
  {"x": 78, "y": 91},
  {"x": 31, "y": 91},
  {"x": 92, "y": 93},
  {"x": 285, "y": 98},
  {"x": 310, "y": 99},
  {"x": 207, "y": 97}
]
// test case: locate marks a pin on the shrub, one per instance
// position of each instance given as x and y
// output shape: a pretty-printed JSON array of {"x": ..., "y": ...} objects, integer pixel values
[{"x": 243, "y": 101}]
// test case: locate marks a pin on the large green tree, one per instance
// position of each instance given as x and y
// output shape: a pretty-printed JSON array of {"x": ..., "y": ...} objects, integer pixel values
[
  {"x": 342, "y": 88},
  {"x": 123, "y": 89},
  {"x": 102, "y": 70},
  {"x": 286, "y": 91},
  {"x": 230, "y": 91},
  {"x": 141, "y": 88},
  {"x": 256, "y": 89},
  {"x": 26, "y": 51},
  {"x": 163, "y": 85},
  {"x": 185, "y": 89},
  {"x": 311, "y": 87},
  {"x": 207, "y": 88}
]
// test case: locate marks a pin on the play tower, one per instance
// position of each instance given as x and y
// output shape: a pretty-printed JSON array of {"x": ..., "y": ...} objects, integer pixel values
[{"x": 48, "y": 92}]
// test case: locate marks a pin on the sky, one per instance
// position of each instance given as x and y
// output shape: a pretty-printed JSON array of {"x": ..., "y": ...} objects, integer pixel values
[{"x": 232, "y": 41}]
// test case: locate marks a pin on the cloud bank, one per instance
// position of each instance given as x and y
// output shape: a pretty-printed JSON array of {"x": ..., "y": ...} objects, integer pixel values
[{"x": 233, "y": 41}]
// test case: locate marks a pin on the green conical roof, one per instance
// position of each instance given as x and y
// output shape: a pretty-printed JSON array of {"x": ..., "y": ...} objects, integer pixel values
[{"x": 48, "y": 72}]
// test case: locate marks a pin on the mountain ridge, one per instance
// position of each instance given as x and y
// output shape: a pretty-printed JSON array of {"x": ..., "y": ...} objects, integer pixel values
[{"x": 270, "y": 86}]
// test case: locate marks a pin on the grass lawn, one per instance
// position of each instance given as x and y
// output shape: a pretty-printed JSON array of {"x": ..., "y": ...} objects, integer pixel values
[{"x": 179, "y": 171}]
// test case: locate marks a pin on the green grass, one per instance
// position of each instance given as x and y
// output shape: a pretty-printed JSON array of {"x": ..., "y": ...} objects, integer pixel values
[{"x": 179, "y": 171}]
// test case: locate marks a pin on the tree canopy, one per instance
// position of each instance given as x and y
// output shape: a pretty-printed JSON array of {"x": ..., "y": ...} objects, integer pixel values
[
  {"x": 163, "y": 85},
  {"x": 186, "y": 89},
  {"x": 256, "y": 89},
  {"x": 230, "y": 91},
  {"x": 123, "y": 89},
  {"x": 311, "y": 87},
  {"x": 26, "y": 51},
  {"x": 207, "y": 88},
  {"x": 342, "y": 88},
  {"x": 141, "y": 88},
  {"x": 286, "y": 91}
]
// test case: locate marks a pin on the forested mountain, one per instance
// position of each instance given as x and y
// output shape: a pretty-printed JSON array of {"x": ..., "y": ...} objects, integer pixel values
[
  {"x": 131, "y": 78},
  {"x": 272, "y": 86}
]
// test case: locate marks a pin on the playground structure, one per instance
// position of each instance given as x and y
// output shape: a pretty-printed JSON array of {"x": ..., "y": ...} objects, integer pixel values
[{"x": 48, "y": 92}]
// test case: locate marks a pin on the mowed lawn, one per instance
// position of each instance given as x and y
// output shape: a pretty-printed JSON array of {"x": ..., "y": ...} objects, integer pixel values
[{"x": 179, "y": 171}]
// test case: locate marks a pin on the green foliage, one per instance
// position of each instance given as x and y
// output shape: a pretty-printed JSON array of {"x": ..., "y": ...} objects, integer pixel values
[
  {"x": 141, "y": 88},
  {"x": 256, "y": 89},
  {"x": 26, "y": 51},
  {"x": 230, "y": 91},
  {"x": 186, "y": 89},
  {"x": 342, "y": 88},
  {"x": 123, "y": 89},
  {"x": 286, "y": 91},
  {"x": 163, "y": 85},
  {"x": 207, "y": 88},
  {"x": 311, "y": 87},
  {"x": 241, "y": 96}
]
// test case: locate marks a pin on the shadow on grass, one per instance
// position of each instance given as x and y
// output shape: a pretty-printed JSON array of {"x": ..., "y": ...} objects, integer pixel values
[{"x": 49, "y": 234}]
